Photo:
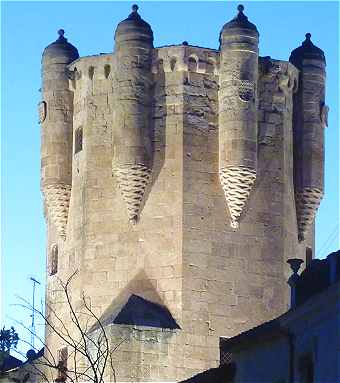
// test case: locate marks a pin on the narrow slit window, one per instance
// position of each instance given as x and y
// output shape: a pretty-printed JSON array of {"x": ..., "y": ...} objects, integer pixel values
[
  {"x": 160, "y": 66},
  {"x": 107, "y": 70},
  {"x": 210, "y": 68},
  {"x": 62, "y": 364},
  {"x": 78, "y": 140},
  {"x": 173, "y": 62},
  {"x": 192, "y": 64},
  {"x": 54, "y": 260},
  {"x": 74, "y": 76},
  {"x": 91, "y": 72}
]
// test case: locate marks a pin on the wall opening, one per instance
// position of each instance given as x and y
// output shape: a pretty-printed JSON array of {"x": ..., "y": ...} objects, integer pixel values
[
  {"x": 173, "y": 62},
  {"x": 160, "y": 66},
  {"x": 78, "y": 140},
  {"x": 91, "y": 72},
  {"x": 210, "y": 67},
  {"x": 74, "y": 77},
  {"x": 107, "y": 70},
  {"x": 192, "y": 64},
  {"x": 62, "y": 364},
  {"x": 53, "y": 264}
]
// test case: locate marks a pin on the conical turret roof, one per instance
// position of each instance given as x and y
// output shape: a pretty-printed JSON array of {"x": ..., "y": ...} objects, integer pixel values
[
  {"x": 239, "y": 22},
  {"x": 307, "y": 50},
  {"x": 134, "y": 28},
  {"x": 61, "y": 50}
]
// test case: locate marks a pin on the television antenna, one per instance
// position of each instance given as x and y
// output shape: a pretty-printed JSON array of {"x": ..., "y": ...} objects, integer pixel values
[{"x": 35, "y": 282}]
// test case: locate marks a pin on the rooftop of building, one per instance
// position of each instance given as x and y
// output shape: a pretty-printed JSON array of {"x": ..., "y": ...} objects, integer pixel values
[
  {"x": 318, "y": 278},
  {"x": 222, "y": 374},
  {"x": 10, "y": 362}
]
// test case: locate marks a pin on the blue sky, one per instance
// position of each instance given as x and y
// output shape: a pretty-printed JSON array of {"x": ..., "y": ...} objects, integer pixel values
[{"x": 27, "y": 27}]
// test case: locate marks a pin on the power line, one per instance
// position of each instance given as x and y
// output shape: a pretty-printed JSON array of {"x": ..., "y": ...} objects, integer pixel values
[
  {"x": 329, "y": 245},
  {"x": 329, "y": 240}
]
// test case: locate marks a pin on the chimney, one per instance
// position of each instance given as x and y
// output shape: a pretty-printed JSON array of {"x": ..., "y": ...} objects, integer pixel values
[{"x": 295, "y": 264}]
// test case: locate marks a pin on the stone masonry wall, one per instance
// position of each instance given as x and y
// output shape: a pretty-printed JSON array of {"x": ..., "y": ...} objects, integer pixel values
[
  {"x": 236, "y": 280},
  {"x": 182, "y": 253}
]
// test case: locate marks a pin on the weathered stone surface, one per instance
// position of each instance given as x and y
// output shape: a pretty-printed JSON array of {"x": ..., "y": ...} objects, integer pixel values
[
  {"x": 183, "y": 253},
  {"x": 56, "y": 118},
  {"x": 309, "y": 121},
  {"x": 132, "y": 81},
  {"x": 238, "y": 115}
]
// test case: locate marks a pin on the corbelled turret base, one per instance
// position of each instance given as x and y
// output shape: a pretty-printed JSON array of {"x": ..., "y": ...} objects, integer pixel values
[
  {"x": 57, "y": 198},
  {"x": 307, "y": 204},
  {"x": 237, "y": 182},
  {"x": 132, "y": 181}
]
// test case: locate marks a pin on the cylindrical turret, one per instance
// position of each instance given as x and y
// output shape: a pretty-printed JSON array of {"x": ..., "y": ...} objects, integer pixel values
[
  {"x": 238, "y": 112},
  {"x": 310, "y": 118},
  {"x": 131, "y": 131},
  {"x": 56, "y": 117}
]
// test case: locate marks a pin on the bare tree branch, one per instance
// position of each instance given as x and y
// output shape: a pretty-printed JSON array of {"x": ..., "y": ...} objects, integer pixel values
[{"x": 89, "y": 355}]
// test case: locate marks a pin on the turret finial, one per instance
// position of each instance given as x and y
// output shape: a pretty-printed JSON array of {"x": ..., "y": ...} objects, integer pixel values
[
  {"x": 134, "y": 15},
  {"x": 61, "y": 38},
  {"x": 61, "y": 33},
  {"x": 241, "y": 17},
  {"x": 240, "y": 21},
  {"x": 308, "y": 41},
  {"x": 240, "y": 8}
]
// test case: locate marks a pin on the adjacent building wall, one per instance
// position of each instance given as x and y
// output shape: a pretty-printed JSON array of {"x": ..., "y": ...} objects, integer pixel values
[{"x": 308, "y": 334}]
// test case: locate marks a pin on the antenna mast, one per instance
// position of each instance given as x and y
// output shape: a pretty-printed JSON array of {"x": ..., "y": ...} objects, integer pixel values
[{"x": 33, "y": 311}]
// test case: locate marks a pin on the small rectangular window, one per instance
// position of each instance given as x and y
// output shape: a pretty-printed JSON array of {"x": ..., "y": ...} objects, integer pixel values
[
  {"x": 62, "y": 364},
  {"x": 78, "y": 140},
  {"x": 53, "y": 260}
]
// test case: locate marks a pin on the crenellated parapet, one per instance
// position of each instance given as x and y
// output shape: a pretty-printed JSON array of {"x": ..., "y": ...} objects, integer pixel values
[
  {"x": 277, "y": 84},
  {"x": 279, "y": 80},
  {"x": 186, "y": 58}
]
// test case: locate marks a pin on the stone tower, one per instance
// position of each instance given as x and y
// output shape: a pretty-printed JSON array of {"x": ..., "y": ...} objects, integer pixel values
[{"x": 177, "y": 182}]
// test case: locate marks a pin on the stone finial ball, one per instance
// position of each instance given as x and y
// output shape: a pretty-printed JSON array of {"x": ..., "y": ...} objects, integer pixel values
[
  {"x": 308, "y": 36},
  {"x": 61, "y": 32},
  {"x": 135, "y": 8},
  {"x": 240, "y": 8}
]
